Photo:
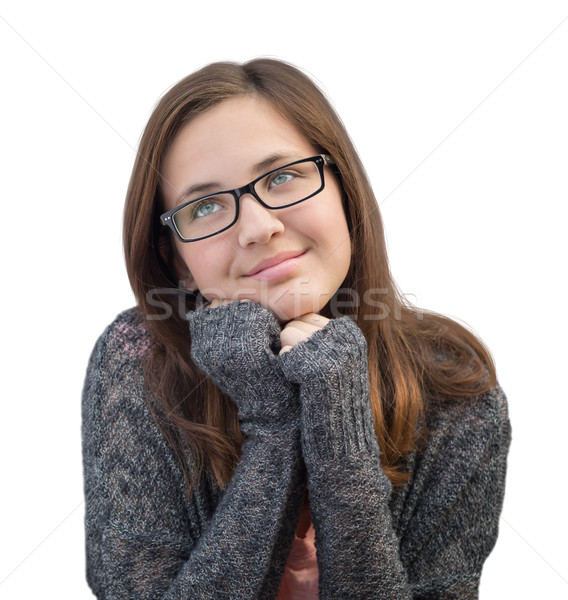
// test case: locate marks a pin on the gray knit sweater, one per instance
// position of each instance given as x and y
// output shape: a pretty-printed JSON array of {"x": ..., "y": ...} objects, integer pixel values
[{"x": 307, "y": 422}]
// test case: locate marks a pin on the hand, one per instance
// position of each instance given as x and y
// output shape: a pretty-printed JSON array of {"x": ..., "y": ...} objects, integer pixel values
[
  {"x": 316, "y": 347},
  {"x": 330, "y": 367},
  {"x": 300, "y": 329},
  {"x": 216, "y": 302},
  {"x": 234, "y": 344}
]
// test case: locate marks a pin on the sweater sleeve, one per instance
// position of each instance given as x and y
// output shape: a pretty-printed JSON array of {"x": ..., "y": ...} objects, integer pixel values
[
  {"x": 145, "y": 537},
  {"x": 447, "y": 524}
]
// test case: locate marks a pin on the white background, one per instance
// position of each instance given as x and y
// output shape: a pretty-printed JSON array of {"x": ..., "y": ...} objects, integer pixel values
[{"x": 459, "y": 112}]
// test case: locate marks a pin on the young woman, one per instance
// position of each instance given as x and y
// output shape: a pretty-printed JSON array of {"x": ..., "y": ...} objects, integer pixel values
[{"x": 273, "y": 420}]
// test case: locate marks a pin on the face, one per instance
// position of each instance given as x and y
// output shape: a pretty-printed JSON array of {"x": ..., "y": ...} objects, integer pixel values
[{"x": 292, "y": 260}]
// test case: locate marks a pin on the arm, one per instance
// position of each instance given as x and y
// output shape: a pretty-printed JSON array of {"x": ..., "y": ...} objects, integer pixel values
[
  {"x": 452, "y": 506},
  {"x": 144, "y": 538}
]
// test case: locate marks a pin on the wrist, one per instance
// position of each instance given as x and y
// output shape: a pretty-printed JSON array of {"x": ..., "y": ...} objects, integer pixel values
[
  {"x": 236, "y": 346},
  {"x": 337, "y": 347},
  {"x": 331, "y": 369}
]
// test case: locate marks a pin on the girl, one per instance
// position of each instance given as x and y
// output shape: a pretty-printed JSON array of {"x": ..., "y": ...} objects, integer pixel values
[{"x": 309, "y": 432}]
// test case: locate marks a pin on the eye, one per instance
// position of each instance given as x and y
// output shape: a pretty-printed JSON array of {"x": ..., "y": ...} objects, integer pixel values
[
  {"x": 280, "y": 178},
  {"x": 205, "y": 208}
]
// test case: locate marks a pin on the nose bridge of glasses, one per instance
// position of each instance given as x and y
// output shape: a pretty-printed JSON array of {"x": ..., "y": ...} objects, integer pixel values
[
  {"x": 248, "y": 190},
  {"x": 256, "y": 221}
]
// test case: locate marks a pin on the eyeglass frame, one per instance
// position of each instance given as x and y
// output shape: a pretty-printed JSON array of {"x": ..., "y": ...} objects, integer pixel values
[{"x": 320, "y": 160}]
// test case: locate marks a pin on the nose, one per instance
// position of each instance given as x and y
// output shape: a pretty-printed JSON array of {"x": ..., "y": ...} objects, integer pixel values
[{"x": 256, "y": 224}]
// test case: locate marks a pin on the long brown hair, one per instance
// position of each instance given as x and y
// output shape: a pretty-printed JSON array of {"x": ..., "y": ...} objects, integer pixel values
[{"x": 415, "y": 357}]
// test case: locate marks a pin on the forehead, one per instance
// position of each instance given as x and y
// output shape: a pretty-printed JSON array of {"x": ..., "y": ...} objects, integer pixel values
[{"x": 228, "y": 139}]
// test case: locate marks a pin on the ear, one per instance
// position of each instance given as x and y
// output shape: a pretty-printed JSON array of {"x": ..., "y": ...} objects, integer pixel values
[{"x": 174, "y": 263}]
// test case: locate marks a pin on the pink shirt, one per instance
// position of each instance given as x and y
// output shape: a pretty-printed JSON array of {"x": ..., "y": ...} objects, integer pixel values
[{"x": 300, "y": 580}]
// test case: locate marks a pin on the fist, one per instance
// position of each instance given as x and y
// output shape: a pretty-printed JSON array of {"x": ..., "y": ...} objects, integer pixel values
[{"x": 301, "y": 329}]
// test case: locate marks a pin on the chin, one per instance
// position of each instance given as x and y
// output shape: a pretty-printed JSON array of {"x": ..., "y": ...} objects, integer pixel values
[{"x": 289, "y": 308}]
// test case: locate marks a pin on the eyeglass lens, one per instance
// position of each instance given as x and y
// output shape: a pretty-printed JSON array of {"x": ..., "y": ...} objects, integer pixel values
[{"x": 280, "y": 188}]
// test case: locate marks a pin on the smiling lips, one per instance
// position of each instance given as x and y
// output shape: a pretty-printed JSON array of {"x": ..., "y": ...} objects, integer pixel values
[{"x": 277, "y": 266}]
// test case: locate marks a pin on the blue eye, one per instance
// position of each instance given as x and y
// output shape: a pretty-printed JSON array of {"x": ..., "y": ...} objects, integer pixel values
[
  {"x": 280, "y": 178},
  {"x": 205, "y": 208}
]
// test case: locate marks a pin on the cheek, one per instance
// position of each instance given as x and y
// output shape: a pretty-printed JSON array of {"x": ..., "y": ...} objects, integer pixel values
[
  {"x": 333, "y": 226},
  {"x": 208, "y": 268},
  {"x": 338, "y": 244}
]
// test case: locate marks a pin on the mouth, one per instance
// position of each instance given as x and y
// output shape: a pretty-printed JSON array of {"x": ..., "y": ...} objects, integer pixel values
[{"x": 277, "y": 266}]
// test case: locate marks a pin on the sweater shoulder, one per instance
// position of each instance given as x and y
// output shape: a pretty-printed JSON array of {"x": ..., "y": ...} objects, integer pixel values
[
  {"x": 461, "y": 435},
  {"x": 116, "y": 363},
  {"x": 484, "y": 413},
  {"x": 123, "y": 344},
  {"x": 127, "y": 337}
]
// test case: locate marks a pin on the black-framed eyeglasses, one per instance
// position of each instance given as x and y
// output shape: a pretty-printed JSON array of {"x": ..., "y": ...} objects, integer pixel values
[{"x": 279, "y": 188}]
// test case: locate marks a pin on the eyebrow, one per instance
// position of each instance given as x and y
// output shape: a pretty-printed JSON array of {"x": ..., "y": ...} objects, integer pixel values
[{"x": 258, "y": 169}]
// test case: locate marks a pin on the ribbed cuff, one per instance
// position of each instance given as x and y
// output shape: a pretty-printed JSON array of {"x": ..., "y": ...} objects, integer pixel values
[
  {"x": 232, "y": 322},
  {"x": 236, "y": 346},
  {"x": 331, "y": 369}
]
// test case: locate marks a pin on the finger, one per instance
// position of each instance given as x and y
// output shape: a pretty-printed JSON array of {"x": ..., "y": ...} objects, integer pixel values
[
  {"x": 315, "y": 319},
  {"x": 216, "y": 302},
  {"x": 285, "y": 349},
  {"x": 295, "y": 332},
  {"x": 302, "y": 326}
]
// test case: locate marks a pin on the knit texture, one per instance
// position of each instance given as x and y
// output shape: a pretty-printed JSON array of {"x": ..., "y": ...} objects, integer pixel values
[
  {"x": 236, "y": 345},
  {"x": 305, "y": 416}
]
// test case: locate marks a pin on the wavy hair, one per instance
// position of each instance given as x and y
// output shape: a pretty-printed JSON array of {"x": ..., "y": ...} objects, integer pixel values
[{"x": 415, "y": 358}]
